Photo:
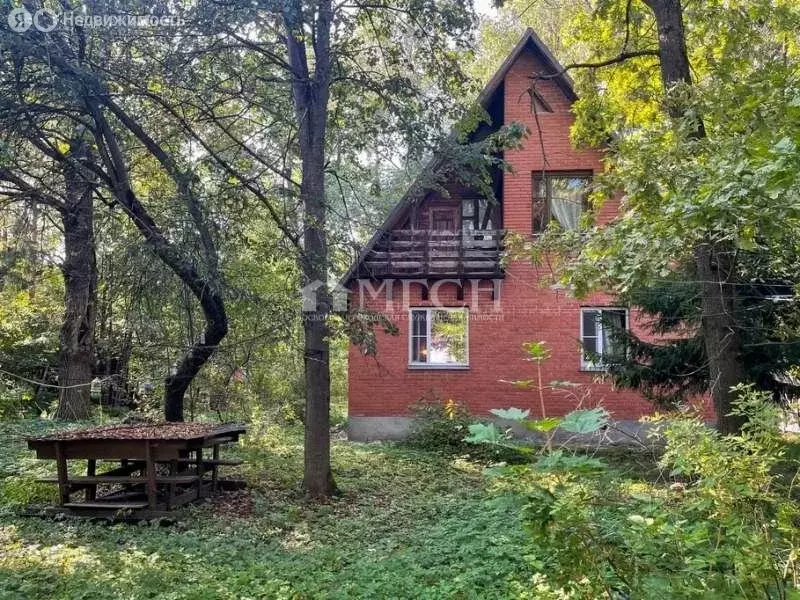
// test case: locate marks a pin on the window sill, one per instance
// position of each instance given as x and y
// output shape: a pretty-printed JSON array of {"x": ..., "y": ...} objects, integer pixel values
[
  {"x": 438, "y": 367},
  {"x": 591, "y": 369}
]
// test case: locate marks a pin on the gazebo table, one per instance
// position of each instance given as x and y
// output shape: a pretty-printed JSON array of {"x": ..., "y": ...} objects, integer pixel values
[{"x": 159, "y": 466}]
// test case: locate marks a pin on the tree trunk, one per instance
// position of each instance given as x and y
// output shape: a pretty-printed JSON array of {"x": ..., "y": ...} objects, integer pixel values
[
  {"x": 715, "y": 269},
  {"x": 317, "y": 478},
  {"x": 175, "y": 386},
  {"x": 715, "y": 261},
  {"x": 310, "y": 96},
  {"x": 205, "y": 287},
  {"x": 80, "y": 283}
]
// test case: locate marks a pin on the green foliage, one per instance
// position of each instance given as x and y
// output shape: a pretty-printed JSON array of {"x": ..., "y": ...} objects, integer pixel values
[
  {"x": 550, "y": 20},
  {"x": 512, "y": 414},
  {"x": 585, "y": 421},
  {"x": 439, "y": 425},
  {"x": 543, "y": 425},
  {"x": 446, "y": 427},
  {"x": 673, "y": 368},
  {"x": 537, "y": 351},
  {"x": 19, "y": 469},
  {"x": 31, "y": 304},
  {"x": 582, "y": 421},
  {"x": 409, "y": 525},
  {"x": 480, "y": 433},
  {"x": 719, "y": 521}
]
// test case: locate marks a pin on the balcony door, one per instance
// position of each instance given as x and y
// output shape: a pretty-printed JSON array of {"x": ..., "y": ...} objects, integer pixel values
[{"x": 443, "y": 219}]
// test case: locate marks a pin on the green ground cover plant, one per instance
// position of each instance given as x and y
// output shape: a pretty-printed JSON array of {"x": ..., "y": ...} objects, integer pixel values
[
  {"x": 409, "y": 524},
  {"x": 717, "y": 519},
  {"x": 710, "y": 517}
]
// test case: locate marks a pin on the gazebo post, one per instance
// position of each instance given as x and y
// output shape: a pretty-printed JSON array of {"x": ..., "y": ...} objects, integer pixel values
[
  {"x": 173, "y": 471},
  {"x": 151, "y": 476},
  {"x": 91, "y": 471},
  {"x": 63, "y": 476}
]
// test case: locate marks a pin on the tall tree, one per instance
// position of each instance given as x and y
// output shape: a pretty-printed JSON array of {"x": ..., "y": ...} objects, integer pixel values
[
  {"x": 80, "y": 287},
  {"x": 663, "y": 134},
  {"x": 310, "y": 94},
  {"x": 715, "y": 260},
  {"x": 50, "y": 76},
  {"x": 24, "y": 179}
]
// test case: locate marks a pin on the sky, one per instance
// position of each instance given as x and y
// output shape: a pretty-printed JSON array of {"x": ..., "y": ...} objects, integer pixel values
[{"x": 484, "y": 7}]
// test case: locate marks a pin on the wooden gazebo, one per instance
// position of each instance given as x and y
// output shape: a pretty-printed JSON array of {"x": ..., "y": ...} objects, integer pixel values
[{"x": 153, "y": 468}]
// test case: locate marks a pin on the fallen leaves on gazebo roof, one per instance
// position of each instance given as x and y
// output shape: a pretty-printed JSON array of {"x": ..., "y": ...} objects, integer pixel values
[{"x": 139, "y": 431}]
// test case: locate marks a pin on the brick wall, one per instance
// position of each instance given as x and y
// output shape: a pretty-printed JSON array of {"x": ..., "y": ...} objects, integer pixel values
[
  {"x": 526, "y": 311},
  {"x": 384, "y": 385},
  {"x": 551, "y": 133}
]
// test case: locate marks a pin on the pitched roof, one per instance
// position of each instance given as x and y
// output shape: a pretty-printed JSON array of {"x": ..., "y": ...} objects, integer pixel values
[{"x": 529, "y": 40}]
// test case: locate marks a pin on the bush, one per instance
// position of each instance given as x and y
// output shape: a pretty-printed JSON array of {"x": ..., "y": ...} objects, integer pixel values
[
  {"x": 13, "y": 403},
  {"x": 439, "y": 426},
  {"x": 720, "y": 520}
]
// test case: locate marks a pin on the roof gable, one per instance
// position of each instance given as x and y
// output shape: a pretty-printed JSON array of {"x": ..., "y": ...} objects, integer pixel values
[{"x": 528, "y": 42}]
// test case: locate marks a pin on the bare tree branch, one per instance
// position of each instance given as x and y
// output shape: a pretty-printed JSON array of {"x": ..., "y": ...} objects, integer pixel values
[{"x": 621, "y": 57}]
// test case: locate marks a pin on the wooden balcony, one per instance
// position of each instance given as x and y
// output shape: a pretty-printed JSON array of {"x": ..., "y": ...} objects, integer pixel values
[{"x": 428, "y": 254}]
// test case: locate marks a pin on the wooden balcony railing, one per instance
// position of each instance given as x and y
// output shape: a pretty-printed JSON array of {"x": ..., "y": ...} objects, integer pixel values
[{"x": 431, "y": 254}]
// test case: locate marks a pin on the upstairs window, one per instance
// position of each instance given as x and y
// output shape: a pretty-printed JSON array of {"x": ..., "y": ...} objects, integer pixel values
[
  {"x": 600, "y": 329},
  {"x": 559, "y": 196},
  {"x": 439, "y": 337}
]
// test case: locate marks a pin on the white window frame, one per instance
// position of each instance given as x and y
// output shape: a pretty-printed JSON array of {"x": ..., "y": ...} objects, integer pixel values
[
  {"x": 428, "y": 322},
  {"x": 588, "y": 365}
]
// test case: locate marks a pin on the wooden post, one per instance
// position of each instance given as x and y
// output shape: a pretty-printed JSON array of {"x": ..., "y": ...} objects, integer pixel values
[
  {"x": 214, "y": 468},
  {"x": 151, "y": 476},
  {"x": 173, "y": 471},
  {"x": 460, "y": 265},
  {"x": 426, "y": 252},
  {"x": 199, "y": 459},
  {"x": 63, "y": 475},
  {"x": 91, "y": 471},
  {"x": 389, "y": 250}
]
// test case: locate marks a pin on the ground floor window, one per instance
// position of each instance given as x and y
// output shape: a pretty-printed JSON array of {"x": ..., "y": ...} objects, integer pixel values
[
  {"x": 439, "y": 337},
  {"x": 600, "y": 339}
]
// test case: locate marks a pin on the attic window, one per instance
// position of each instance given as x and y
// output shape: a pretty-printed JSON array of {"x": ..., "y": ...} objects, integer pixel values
[{"x": 538, "y": 103}]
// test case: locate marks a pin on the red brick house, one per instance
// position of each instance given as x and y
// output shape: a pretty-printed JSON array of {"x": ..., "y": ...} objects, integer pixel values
[{"x": 434, "y": 269}]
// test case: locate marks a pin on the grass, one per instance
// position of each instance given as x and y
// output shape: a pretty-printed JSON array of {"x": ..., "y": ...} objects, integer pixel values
[{"x": 407, "y": 525}]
